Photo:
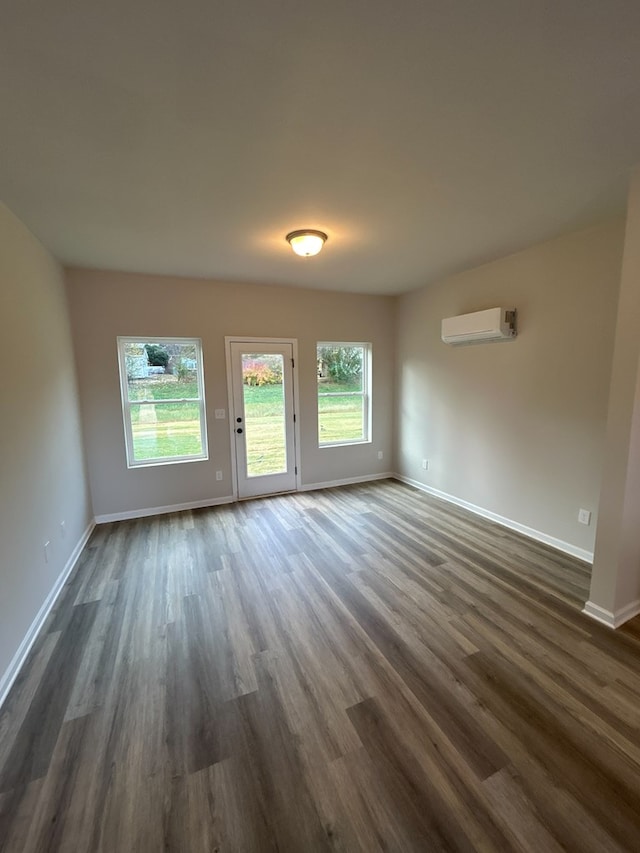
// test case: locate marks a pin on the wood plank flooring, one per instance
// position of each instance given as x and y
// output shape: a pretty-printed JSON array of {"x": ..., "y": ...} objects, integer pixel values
[{"x": 359, "y": 669}]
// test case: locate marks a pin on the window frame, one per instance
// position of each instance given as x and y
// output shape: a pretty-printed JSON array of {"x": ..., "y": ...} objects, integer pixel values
[
  {"x": 365, "y": 394},
  {"x": 122, "y": 341}
]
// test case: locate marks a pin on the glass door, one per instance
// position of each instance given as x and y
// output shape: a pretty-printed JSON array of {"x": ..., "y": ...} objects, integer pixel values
[{"x": 263, "y": 417}]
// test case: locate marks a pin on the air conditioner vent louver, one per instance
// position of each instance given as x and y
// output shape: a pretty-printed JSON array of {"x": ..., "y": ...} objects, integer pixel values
[{"x": 494, "y": 324}]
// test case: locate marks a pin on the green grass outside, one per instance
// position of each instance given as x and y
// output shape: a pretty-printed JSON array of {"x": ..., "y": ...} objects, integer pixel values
[
  {"x": 173, "y": 429},
  {"x": 339, "y": 418},
  {"x": 162, "y": 387}
]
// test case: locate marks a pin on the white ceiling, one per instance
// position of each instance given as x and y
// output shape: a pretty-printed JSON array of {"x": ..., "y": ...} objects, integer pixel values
[{"x": 188, "y": 137}]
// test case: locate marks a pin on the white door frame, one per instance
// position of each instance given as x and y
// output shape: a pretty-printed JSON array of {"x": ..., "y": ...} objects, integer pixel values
[{"x": 247, "y": 339}]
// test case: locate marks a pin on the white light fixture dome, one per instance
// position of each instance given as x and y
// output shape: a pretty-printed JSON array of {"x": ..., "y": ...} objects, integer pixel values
[{"x": 306, "y": 242}]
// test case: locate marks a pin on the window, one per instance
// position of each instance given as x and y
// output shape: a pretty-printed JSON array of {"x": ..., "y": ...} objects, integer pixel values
[
  {"x": 162, "y": 389},
  {"x": 344, "y": 372}
]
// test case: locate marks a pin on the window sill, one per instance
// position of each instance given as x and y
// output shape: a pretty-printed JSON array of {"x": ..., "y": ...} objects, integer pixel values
[
  {"x": 353, "y": 443},
  {"x": 155, "y": 463}
]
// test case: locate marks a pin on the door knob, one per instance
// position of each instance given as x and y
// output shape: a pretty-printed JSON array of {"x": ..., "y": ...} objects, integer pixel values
[{"x": 239, "y": 430}]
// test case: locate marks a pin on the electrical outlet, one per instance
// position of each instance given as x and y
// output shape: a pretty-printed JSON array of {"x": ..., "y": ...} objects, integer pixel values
[
  {"x": 218, "y": 475},
  {"x": 584, "y": 516},
  {"x": 63, "y": 529},
  {"x": 46, "y": 551},
  {"x": 380, "y": 455},
  {"x": 425, "y": 464},
  {"x": 220, "y": 414}
]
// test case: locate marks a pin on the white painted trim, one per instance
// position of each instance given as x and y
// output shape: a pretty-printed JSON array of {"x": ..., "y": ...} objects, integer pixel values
[
  {"x": 248, "y": 339},
  {"x": 232, "y": 424},
  {"x": 605, "y": 617},
  {"x": 366, "y": 393},
  {"x": 144, "y": 512},
  {"x": 627, "y": 612},
  {"x": 330, "y": 484},
  {"x": 121, "y": 341},
  {"x": 531, "y": 532},
  {"x": 8, "y": 678},
  {"x": 612, "y": 620}
]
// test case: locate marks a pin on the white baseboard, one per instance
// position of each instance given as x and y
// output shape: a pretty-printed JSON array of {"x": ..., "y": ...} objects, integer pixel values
[
  {"x": 538, "y": 535},
  {"x": 349, "y": 481},
  {"x": 610, "y": 619},
  {"x": 161, "y": 510},
  {"x": 8, "y": 678}
]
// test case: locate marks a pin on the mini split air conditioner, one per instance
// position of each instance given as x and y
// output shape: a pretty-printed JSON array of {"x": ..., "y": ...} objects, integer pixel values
[{"x": 494, "y": 324}]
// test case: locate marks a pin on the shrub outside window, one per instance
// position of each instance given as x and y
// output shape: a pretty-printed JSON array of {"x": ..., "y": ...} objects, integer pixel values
[
  {"x": 344, "y": 393},
  {"x": 162, "y": 387}
]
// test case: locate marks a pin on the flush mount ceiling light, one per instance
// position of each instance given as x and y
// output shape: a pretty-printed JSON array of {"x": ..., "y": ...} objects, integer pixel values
[{"x": 306, "y": 242}]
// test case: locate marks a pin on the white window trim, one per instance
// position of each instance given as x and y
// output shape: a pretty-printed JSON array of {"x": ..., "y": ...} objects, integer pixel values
[
  {"x": 126, "y": 403},
  {"x": 365, "y": 394}
]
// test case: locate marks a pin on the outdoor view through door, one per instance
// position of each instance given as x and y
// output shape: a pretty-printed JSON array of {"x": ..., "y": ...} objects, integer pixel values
[{"x": 263, "y": 418}]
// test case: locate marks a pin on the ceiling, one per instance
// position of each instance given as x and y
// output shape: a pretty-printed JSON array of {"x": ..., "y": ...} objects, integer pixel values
[{"x": 424, "y": 137}]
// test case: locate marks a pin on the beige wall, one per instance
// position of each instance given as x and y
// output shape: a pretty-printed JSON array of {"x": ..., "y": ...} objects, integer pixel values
[
  {"x": 516, "y": 428},
  {"x": 41, "y": 459},
  {"x": 615, "y": 583},
  {"x": 104, "y": 305}
]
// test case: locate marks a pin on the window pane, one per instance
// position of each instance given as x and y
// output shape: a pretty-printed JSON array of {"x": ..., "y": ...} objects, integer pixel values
[
  {"x": 161, "y": 370},
  {"x": 340, "y": 368},
  {"x": 264, "y": 414},
  {"x": 165, "y": 430},
  {"x": 340, "y": 418},
  {"x": 156, "y": 371},
  {"x": 343, "y": 388}
]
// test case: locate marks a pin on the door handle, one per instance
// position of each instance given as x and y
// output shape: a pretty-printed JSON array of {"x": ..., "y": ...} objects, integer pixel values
[{"x": 239, "y": 430}]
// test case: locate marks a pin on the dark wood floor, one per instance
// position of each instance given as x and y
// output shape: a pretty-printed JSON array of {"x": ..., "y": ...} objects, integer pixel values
[{"x": 360, "y": 669}]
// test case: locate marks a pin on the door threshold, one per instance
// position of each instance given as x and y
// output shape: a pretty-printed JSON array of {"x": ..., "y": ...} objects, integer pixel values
[{"x": 269, "y": 495}]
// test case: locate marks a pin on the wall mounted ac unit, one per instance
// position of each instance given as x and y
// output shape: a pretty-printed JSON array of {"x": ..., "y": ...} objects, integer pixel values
[{"x": 494, "y": 324}]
